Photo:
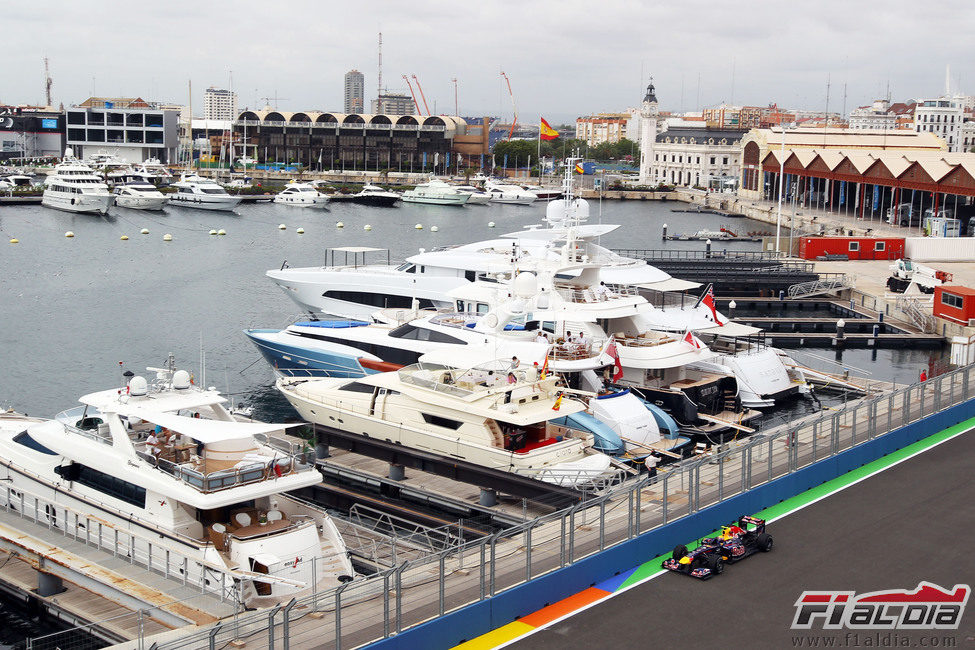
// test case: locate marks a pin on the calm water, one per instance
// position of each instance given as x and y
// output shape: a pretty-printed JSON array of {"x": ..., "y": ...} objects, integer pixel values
[{"x": 72, "y": 309}]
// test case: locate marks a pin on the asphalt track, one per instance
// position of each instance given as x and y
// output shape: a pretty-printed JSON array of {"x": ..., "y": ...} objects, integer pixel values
[{"x": 914, "y": 521}]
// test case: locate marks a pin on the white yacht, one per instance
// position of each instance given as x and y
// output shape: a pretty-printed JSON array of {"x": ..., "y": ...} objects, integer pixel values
[
  {"x": 504, "y": 421},
  {"x": 214, "y": 491},
  {"x": 139, "y": 195},
  {"x": 301, "y": 195},
  {"x": 15, "y": 181},
  {"x": 504, "y": 193},
  {"x": 152, "y": 171},
  {"x": 478, "y": 196},
  {"x": 436, "y": 192},
  {"x": 192, "y": 191},
  {"x": 75, "y": 187},
  {"x": 376, "y": 196}
]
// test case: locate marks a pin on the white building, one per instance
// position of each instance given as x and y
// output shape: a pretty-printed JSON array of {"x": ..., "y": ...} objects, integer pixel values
[
  {"x": 219, "y": 104},
  {"x": 649, "y": 116},
  {"x": 943, "y": 117},
  {"x": 876, "y": 117},
  {"x": 697, "y": 156},
  {"x": 394, "y": 104},
  {"x": 133, "y": 134}
]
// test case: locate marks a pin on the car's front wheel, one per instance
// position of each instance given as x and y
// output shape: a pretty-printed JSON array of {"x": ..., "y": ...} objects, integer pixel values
[
  {"x": 679, "y": 551},
  {"x": 716, "y": 564}
]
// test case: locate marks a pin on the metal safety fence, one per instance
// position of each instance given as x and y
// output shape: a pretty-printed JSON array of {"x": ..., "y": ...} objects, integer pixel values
[{"x": 430, "y": 585}]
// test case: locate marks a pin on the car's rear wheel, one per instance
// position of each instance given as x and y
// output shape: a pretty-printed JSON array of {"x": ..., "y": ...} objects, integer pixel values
[
  {"x": 764, "y": 542},
  {"x": 679, "y": 551}
]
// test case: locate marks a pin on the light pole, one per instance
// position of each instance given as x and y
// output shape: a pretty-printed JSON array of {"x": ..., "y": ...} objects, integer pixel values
[{"x": 778, "y": 219}]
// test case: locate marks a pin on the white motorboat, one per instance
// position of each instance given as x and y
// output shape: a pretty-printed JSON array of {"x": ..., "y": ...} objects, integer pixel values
[
  {"x": 478, "y": 196},
  {"x": 504, "y": 421},
  {"x": 152, "y": 171},
  {"x": 544, "y": 193},
  {"x": 170, "y": 473},
  {"x": 376, "y": 196},
  {"x": 140, "y": 195},
  {"x": 192, "y": 191},
  {"x": 302, "y": 195},
  {"x": 436, "y": 192},
  {"x": 75, "y": 187},
  {"x": 16, "y": 181},
  {"x": 504, "y": 193}
]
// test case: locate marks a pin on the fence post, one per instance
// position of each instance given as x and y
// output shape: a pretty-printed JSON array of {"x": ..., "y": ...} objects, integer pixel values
[
  {"x": 212, "y": 636},
  {"x": 630, "y": 498},
  {"x": 602, "y": 524},
  {"x": 720, "y": 459},
  {"x": 937, "y": 393},
  {"x": 270, "y": 624},
  {"x": 338, "y": 615},
  {"x": 441, "y": 582},
  {"x": 528, "y": 552},
  {"x": 286, "y": 631},
  {"x": 399, "y": 595},
  {"x": 663, "y": 508},
  {"x": 483, "y": 570}
]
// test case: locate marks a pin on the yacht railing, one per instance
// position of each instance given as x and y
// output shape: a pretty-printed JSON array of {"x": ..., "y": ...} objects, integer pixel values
[
  {"x": 589, "y": 295},
  {"x": 252, "y": 472},
  {"x": 70, "y": 416}
]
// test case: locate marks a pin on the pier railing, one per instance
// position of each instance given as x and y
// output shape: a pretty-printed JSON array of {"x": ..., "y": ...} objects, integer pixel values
[{"x": 432, "y": 584}]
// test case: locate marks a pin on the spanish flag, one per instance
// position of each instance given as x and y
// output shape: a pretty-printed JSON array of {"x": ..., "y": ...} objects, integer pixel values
[
  {"x": 579, "y": 169},
  {"x": 546, "y": 132},
  {"x": 558, "y": 403}
]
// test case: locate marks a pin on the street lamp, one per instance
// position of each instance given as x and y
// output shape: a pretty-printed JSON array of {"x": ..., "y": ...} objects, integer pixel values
[{"x": 778, "y": 219}]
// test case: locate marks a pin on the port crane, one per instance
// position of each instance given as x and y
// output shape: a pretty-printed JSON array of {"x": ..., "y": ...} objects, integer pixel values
[
  {"x": 420, "y": 88},
  {"x": 514, "y": 108},
  {"x": 412, "y": 94}
]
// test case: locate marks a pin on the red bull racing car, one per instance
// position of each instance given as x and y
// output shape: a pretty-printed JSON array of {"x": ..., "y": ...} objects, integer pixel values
[{"x": 736, "y": 542}]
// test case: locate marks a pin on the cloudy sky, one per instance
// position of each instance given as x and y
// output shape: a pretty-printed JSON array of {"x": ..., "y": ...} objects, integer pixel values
[{"x": 564, "y": 59}]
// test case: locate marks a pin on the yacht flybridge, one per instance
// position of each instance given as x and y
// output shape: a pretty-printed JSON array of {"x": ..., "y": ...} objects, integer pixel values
[
  {"x": 504, "y": 419},
  {"x": 168, "y": 462},
  {"x": 75, "y": 187}
]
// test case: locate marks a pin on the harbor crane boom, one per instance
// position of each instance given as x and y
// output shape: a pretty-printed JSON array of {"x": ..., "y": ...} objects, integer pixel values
[
  {"x": 514, "y": 108},
  {"x": 420, "y": 88},
  {"x": 412, "y": 94}
]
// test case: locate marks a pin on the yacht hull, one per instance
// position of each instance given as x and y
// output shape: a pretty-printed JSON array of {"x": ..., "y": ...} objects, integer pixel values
[
  {"x": 316, "y": 202},
  {"x": 293, "y": 361},
  {"x": 96, "y": 203},
  {"x": 204, "y": 203},
  {"x": 141, "y": 203},
  {"x": 430, "y": 200},
  {"x": 376, "y": 201}
]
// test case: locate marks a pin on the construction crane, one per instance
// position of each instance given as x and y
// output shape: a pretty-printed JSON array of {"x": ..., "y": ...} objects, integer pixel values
[
  {"x": 267, "y": 100},
  {"x": 456, "y": 109},
  {"x": 47, "y": 82},
  {"x": 420, "y": 88},
  {"x": 514, "y": 108},
  {"x": 412, "y": 94}
]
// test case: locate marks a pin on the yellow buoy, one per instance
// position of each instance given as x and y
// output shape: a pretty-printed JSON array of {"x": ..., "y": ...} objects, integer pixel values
[
  {"x": 419, "y": 226},
  {"x": 434, "y": 228},
  {"x": 69, "y": 234},
  {"x": 221, "y": 232},
  {"x": 300, "y": 231},
  {"x": 167, "y": 237},
  {"x": 144, "y": 231},
  {"x": 14, "y": 241},
  {"x": 340, "y": 225},
  {"x": 124, "y": 238},
  {"x": 490, "y": 224},
  {"x": 367, "y": 227},
  {"x": 281, "y": 226}
]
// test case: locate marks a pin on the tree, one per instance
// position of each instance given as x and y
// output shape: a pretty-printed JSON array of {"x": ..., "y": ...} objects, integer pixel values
[{"x": 516, "y": 150}]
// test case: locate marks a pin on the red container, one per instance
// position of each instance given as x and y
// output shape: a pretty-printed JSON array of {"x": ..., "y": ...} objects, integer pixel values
[
  {"x": 855, "y": 248},
  {"x": 955, "y": 303}
]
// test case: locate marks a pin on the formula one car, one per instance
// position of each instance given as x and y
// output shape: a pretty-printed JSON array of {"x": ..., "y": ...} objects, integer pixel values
[{"x": 736, "y": 542}]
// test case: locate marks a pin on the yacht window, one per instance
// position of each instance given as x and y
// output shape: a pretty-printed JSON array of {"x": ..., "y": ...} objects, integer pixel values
[
  {"x": 446, "y": 423},
  {"x": 378, "y": 299},
  {"x": 423, "y": 269},
  {"x": 483, "y": 308},
  {"x": 414, "y": 333},
  {"x": 104, "y": 483},
  {"x": 356, "y": 387},
  {"x": 470, "y": 275},
  {"x": 404, "y": 267},
  {"x": 185, "y": 190},
  {"x": 388, "y": 354},
  {"x": 213, "y": 190},
  {"x": 24, "y": 438}
]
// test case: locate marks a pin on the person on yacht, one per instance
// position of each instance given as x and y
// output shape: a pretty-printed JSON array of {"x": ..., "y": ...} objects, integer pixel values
[
  {"x": 541, "y": 338},
  {"x": 153, "y": 445},
  {"x": 514, "y": 363},
  {"x": 512, "y": 379},
  {"x": 602, "y": 293}
]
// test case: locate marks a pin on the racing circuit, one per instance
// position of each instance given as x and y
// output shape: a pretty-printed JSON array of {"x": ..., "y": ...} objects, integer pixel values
[{"x": 891, "y": 530}]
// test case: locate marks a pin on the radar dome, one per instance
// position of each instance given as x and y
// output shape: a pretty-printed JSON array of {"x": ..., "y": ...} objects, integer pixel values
[
  {"x": 138, "y": 386},
  {"x": 181, "y": 379},
  {"x": 525, "y": 285},
  {"x": 557, "y": 212}
]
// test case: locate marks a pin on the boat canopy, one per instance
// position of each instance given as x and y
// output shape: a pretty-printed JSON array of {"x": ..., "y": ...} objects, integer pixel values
[
  {"x": 730, "y": 328},
  {"x": 207, "y": 431}
]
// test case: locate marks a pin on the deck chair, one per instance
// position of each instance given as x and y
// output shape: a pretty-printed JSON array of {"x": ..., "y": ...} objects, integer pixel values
[{"x": 243, "y": 519}]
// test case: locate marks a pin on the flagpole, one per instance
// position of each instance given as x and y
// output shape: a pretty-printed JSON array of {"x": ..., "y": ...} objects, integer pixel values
[{"x": 539, "y": 152}]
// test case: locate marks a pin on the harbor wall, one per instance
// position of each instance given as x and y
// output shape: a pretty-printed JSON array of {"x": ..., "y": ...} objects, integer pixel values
[{"x": 506, "y": 607}]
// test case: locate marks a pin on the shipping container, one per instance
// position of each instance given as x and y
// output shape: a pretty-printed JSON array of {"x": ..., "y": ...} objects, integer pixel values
[
  {"x": 854, "y": 248},
  {"x": 954, "y": 303},
  {"x": 940, "y": 249}
]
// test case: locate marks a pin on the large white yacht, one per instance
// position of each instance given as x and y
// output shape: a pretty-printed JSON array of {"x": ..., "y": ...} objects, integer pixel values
[
  {"x": 140, "y": 195},
  {"x": 302, "y": 195},
  {"x": 153, "y": 171},
  {"x": 193, "y": 191},
  {"x": 505, "y": 193},
  {"x": 214, "y": 491},
  {"x": 75, "y": 187},
  {"x": 375, "y": 196},
  {"x": 478, "y": 196},
  {"x": 436, "y": 192},
  {"x": 504, "y": 421}
]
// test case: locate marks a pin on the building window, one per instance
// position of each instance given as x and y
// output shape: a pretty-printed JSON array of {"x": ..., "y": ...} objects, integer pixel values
[
  {"x": 854, "y": 246},
  {"x": 880, "y": 246},
  {"x": 951, "y": 300},
  {"x": 712, "y": 160}
]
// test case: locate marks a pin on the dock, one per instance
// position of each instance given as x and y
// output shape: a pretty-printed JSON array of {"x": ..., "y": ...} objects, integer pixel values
[{"x": 20, "y": 200}]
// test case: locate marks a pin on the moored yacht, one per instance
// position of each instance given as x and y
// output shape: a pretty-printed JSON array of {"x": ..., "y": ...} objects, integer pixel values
[
  {"x": 153, "y": 171},
  {"x": 504, "y": 193},
  {"x": 167, "y": 467},
  {"x": 192, "y": 191},
  {"x": 436, "y": 192},
  {"x": 376, "y": 196},
  {"x": 503, "y": 420},
  {"x": 75, "y": 187},
  {"x": 140, "y": 195},
  {"x": 478, "y": 196},
  {"x": 301, "y": 195}
]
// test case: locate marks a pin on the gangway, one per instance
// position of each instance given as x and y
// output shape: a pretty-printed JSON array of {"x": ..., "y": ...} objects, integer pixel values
[
  {"x": 829, "y": 284},
  {"x": 919, "y": 311}
]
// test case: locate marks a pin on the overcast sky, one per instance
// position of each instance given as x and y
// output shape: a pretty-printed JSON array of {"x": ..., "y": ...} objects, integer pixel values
[{"x": 564, "y": 59}]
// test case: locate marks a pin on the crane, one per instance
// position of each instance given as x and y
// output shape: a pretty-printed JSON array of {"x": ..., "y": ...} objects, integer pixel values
[
  {"x": 412, "y": 94},
  {"x": 47, "y": 82},
  {"x": 514, "y": 108},
  {"x": 420, "y": 88},
  {"x": 456, "y": 109}
]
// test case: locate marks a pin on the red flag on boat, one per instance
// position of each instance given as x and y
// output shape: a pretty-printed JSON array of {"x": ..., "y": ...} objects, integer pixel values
[
  {"x": 690, "y": 340},
  {"x": 612, "y": 351},
  {"x": 558, "y": 403},
  {"x": 708, "y": 301}
]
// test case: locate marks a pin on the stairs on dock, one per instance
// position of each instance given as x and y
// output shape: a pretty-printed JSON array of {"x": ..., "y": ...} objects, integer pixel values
[{"x": 829, "y": 284}]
